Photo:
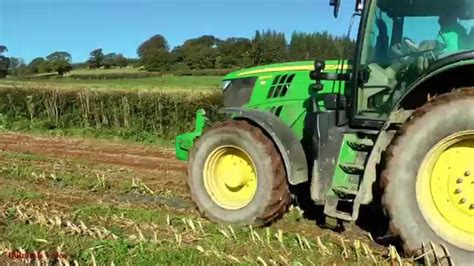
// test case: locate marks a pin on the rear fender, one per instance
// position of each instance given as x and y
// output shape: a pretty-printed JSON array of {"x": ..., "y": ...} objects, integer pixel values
[{"x": 285, "y": 141}]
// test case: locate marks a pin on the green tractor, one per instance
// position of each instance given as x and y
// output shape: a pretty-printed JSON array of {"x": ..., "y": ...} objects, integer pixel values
[{"x": 393, "y": 126}]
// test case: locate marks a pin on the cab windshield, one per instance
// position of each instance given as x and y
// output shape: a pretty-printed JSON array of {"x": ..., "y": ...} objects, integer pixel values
[{"x": 403, "y": 39}]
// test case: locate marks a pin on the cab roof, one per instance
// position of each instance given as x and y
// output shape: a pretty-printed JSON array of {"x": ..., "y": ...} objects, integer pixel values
[{"x": 464, "y": 9}]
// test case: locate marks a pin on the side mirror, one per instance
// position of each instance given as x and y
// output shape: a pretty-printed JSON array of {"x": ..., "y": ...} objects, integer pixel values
[
  {"x": 359, "y": 6},
  {"x": 336, "y": 4},
  {"x": 319, "y": 65},
  {"x": 316, "y": 74}
]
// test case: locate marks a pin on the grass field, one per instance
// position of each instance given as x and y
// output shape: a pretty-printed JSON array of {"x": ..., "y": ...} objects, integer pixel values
[
  {"x": 85, "y": 71},
  {"x": 165, "y": 83},
  {"x": 103, "y": 203}
]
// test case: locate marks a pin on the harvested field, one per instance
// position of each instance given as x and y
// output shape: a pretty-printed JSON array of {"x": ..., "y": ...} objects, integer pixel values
[{"x": 96, "y": 202}]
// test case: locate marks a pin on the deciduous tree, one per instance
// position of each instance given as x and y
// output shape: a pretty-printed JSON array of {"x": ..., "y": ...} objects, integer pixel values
[
  {"x": 96, "y": 58},
  {"x": 34, "y": 65},
  {"x": 4, "y": 62},
  {"x": 200, "y": 53},
  {"x": 154, "y": 54},
  {"x": 234, "y": 52},
  {"x": 60, "y": 62},
  {"x": 17, "y": 67}
]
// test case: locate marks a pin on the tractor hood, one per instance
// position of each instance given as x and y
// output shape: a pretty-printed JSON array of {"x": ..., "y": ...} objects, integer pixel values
[
  {"x": 263, "y": 84},
  {"x": 331, "y": 65},
  {"x": 262, "y": 70}
]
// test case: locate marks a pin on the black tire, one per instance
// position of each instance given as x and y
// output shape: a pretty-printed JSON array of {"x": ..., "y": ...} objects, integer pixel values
[
  {"x": 272, "y": 197},
  {"x": 448, "y": 114}
]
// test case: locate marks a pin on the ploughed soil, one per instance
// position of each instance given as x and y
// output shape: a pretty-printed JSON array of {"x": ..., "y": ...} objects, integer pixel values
[{"x": 94, "y": 151}]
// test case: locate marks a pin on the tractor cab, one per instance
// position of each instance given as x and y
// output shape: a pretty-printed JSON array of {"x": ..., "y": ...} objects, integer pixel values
[{"x": 400, "y": 41}]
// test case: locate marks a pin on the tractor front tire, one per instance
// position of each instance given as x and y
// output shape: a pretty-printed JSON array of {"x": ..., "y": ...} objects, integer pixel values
[
  {"x": 428, "y": 181},
  {"x": 237, "y": 176}
]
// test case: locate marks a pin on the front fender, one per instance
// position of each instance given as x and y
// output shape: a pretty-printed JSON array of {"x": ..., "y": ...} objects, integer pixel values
[{"x": 285, "y": 140}]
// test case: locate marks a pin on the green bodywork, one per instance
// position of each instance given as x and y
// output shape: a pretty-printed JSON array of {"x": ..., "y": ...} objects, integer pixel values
[
  {"x": 293, "y": 109},
  {"x": 293, "y": 105},
  {"x": 184, "y": 142}
]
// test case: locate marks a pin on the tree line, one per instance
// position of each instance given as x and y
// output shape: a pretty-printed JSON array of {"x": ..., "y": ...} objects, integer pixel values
[
  {"x": 266, "y": 47},
  {"x": 205, "y": 52},
  {"x": 59, "y": 62}
]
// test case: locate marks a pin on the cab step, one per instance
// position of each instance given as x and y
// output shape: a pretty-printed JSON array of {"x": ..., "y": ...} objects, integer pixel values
[
  {"x": 339, "y": 200},
  {"x": 365, "y": 144},
  {"x": 352, "y": 169},
  {"x": 339, "y": 209},
  {"x": 345, "y": 192}
]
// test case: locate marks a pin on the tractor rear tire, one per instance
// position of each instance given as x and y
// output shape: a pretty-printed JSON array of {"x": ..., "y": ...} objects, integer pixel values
[
  {"x": 223, "y": 146},
  {"x": 421, "y": 225}
]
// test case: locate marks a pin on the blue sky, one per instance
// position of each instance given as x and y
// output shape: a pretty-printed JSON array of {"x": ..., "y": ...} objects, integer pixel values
[{"x": 31, "y": 28}]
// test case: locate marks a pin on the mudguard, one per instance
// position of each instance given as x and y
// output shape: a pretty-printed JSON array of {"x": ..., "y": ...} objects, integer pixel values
[{"x": 287, "y": 144}]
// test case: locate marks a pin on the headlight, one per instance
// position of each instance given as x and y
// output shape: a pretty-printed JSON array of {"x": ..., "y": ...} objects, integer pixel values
[{"x": 226, "y": 84}]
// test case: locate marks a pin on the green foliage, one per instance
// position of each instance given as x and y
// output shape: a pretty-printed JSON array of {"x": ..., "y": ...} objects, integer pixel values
[
  {"x": 155, "y": 43},
  {"x": 234, "y": 52},
  {"x": 269, "y": 47},
  {"x": 165, "y": 83},
  {"x": 4, "y": 65},
  {"x": 160, "y": 60},
  {"x": 96, "y": 58},
  {"x": 12, "y": 193},
  {"x": 180, "y": 66},
  {"x": 109, "y": 60},
  {"x": 199, "y": 53},
  {"x": 308, "y": 46},
  {"x": 120, "y": 61},
  {"x": 60, "y": 62},
  {"x": 45, "y": 67},
  {"x": 154, "y": 54},
  {"x": 179, "y": 71},
  {"x": 117, "y": 75},
  {"x": 37, "y": 66},
  {"x": 257, "y": 49},
  {"x": 17, "y": 67},
  {"x": 201, "y": 72},
  {"x": 205, "y": 55},
  {"x": 4, "y": 62},
  {"x": 125, "y": 114}
]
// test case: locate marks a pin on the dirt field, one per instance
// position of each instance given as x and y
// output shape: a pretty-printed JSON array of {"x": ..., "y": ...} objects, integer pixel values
[{"x": 101, "y": 202}]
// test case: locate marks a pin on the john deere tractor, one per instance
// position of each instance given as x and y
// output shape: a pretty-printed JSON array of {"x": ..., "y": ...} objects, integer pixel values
[{"x": 392, "y": 125}]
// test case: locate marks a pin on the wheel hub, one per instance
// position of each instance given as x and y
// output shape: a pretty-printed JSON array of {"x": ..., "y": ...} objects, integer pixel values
[
  {"x": 463, "y": 193},
  {"x": 230, "y": 177},
  {"x": 239, "y": 174},
  {"x": 445, "y": 189}
]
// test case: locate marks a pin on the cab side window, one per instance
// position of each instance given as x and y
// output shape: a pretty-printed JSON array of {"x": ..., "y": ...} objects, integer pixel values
[{"x": 380, "y": 37}]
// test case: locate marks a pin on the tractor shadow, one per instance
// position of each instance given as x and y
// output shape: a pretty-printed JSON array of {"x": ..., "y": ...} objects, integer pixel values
[{"x": 372, "y": 218}]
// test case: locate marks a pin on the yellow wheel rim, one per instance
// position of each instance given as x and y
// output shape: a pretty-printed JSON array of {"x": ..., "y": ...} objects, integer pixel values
[
  {"x": 230, "y": 177},
  {"x": 445, "y": 189}
]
